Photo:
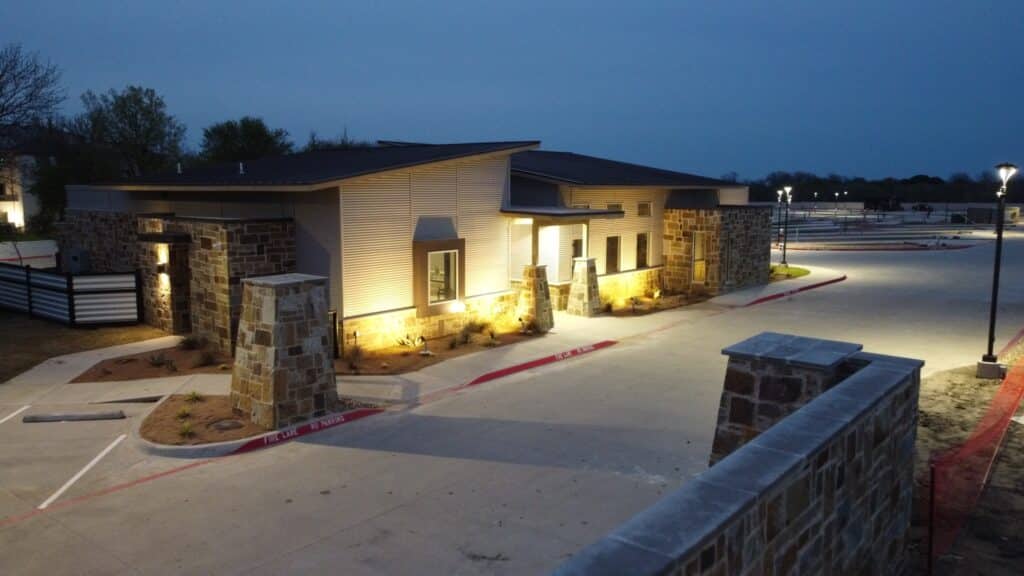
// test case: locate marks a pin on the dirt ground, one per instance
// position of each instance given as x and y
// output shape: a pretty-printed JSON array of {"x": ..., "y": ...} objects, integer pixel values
[
  {"x": 27, "y": 341},
  {"x": 402, "y": 359},
  {"x": 165, "y": 362},
  {"x": 992, "y": 543}
]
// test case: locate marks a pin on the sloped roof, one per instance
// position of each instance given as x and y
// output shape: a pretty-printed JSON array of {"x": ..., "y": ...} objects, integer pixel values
[
  {"x": 320, "y": 166},
  {"x": 570, "y": 168}
]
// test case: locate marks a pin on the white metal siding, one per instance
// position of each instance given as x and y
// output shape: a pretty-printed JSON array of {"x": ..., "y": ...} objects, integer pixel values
[
  {"x": 626, "y": 227},
  {"x": 481, "y": 189},
  {"x": 379, "y": 216},
  {"x": 376, "y": 244}
]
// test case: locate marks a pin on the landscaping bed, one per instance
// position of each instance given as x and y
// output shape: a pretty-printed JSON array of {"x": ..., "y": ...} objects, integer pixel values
[
  {"x": 175, "y": 361},
  {"x": 400, "y": 359},
  {"x": 780, "y": 272},
  {"x": 191, "y": 419}
]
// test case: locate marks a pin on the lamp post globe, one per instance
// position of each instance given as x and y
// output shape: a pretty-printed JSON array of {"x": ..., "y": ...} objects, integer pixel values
[
  {"x": 785, "y": 233},
  {"x": 989, "y": 367}
]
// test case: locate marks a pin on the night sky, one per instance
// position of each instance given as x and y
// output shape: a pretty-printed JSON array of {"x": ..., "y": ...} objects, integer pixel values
[{"x": 869, "y": 88}]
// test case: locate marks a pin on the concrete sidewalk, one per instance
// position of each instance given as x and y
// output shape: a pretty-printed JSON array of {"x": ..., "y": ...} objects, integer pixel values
[{"x": 49, "y": 382}]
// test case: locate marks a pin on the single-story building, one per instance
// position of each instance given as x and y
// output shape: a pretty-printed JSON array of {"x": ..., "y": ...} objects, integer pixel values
[{"x": 415, "y": 239}]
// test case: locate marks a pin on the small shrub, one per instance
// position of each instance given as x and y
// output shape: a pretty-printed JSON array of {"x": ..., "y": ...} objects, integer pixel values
[
  {"x": 477, "y": 327},
  {"x": 186, "y": 430},
  {"x": 354, "y": 355},
  {"x": 492, "y": 334},
  {"x": 407, "y": 342},
  {"x": 193, "y": 342},
  {"x": 206, "y": 358},
  {"x": 184, "y": 412},
  {"x": 157, "y": 360},
  {"x": 464, "y": 335},
  {"x": 453, "y": 343},
  {"x": 193, "y": 397},
  {"x": 170, "y": 366}
]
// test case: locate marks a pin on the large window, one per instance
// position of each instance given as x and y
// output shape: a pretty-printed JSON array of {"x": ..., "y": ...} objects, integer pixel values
[
  {"x": 700, "y": 270},
  {"x": 442, "y": 276},
  {"x": 611, "y": 255},
  {"x": 641, "y": 250},
  {"x": 577, "y": 248}
]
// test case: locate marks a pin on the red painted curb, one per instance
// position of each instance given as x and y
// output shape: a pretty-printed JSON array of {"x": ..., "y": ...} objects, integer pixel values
[
  {"x": 1013, "y": 342},
  {"x": 540, "y": 362},
  {"x": 794, "y": 291},
  {"x": 305, "y": 429}
]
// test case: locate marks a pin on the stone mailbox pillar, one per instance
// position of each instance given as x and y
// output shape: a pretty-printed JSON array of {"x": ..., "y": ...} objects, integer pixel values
[
  {"x": 284, "y": 369},
  {"x": 534, "y": 299},
  {"x": 584, "y": 297}
]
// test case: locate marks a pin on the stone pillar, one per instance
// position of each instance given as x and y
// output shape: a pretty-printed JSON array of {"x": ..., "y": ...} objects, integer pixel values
[
  {"x": 534, "y": 299},
  {"x": 584, "y": 297},
  {"x": 284, "y": 369},
  {"x": 769, "y": 377}
]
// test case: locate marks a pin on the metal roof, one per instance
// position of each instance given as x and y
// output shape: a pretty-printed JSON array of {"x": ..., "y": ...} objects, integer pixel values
[
  {"x": 571, "y": 168},
  {"x": 320, "y": 166}
]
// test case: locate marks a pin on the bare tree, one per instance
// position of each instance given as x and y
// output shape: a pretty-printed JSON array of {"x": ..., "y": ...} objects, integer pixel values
[{"x": 29, "y": 88}]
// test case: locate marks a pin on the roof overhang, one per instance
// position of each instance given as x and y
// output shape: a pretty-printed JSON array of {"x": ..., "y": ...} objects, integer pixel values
[{"x": 561, "y": 215}]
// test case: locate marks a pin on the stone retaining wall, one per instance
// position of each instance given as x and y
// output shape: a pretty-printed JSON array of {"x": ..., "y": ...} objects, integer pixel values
[
  {"x": 383, "y": 330},
  {"x": 826, "y": 490}
]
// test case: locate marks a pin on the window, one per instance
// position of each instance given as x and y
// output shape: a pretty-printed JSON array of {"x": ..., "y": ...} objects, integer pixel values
[
  {"x": 700, "y": 270},
  {"x": 577, "y": 248},
  {"x": 442, "y": 276},
  {"x": 643, "y": 209},
  {"x": 615, "y": 206},
  {"x": 641, "y": 250},
  {"x": 611, "y": 255}
]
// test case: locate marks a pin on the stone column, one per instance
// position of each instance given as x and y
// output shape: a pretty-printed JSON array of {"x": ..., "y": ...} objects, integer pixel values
[
  {"x": 284, "y": 369},
  {"x": 769, "y": 377},
  {"x": 534, "y": 299},
  {"x": 584, "y": 298}
]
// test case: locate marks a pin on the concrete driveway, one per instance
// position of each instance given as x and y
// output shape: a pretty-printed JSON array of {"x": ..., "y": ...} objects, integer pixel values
[{"x": 509, "y": 477}]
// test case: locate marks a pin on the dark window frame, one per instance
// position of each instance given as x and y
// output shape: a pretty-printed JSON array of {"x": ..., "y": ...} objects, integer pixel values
[
  {"x": 421, "y": 275},
  {"x": 646, "y": 252},
  {"x": 618, "y": 254}
]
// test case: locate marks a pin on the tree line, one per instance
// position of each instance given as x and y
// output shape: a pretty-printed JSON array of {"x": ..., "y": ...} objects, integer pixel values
[
  {"x": 876, "y": 193},
  {"x": 119, "y": 133}
]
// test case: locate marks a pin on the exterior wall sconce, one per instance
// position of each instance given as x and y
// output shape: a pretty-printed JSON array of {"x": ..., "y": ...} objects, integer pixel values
[{"x": 162, "y": 268}]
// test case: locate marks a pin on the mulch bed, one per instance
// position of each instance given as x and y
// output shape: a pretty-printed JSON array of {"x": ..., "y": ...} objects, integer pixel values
[
  {"x": 165, "y": 362},
  {"x": 164, "y": 425},
  {"x": 402, "y": 359}
]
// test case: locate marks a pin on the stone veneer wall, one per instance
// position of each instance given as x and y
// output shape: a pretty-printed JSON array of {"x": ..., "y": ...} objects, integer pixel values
[
  {"x": 747, "y": 234},
  {"x": 108, "y": 237},
  {"x": 222, "y": 252},
  {"x": 165, "y": 297},
  {"x": 383, "y": 330},
  {"x": 284, "y": 366},
  {"x": 760, "y": 391},
  {"x": 827, "y": 490},
  {"x": 744, "y": 232},
  {"x": 619, "y": 287},
  {"x": 534, "y": 303}
]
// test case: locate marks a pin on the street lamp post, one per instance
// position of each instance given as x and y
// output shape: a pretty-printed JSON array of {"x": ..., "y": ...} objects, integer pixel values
[
  {"x": 989, "y": 366},
  {"x": 778, "y": 219},
  {"x": 785, "y": 235}
]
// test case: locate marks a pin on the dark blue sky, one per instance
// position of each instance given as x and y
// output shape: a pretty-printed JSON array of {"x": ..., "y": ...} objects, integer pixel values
[{"x": 873, "y": 87}]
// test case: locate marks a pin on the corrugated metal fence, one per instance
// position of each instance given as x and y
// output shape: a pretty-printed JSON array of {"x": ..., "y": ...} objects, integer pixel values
[{"x": 73, "y": 299}]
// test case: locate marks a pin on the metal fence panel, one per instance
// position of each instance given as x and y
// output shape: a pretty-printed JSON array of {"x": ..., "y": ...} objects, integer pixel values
[{"x": 82, "y": 299}]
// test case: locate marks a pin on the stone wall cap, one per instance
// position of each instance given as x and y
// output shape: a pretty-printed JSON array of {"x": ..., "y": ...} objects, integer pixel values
[
  {"x": 285, "y": 279},
  {"x": 790, "y": 349}
]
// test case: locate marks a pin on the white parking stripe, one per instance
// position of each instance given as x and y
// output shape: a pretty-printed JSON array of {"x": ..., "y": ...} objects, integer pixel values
[
  {"x": 15, "y": 413},
  {"x": 82, "y": 472}
]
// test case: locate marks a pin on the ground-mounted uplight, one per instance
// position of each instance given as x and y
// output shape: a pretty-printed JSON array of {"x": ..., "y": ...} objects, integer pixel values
[{"x": 989, "y": 366}]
